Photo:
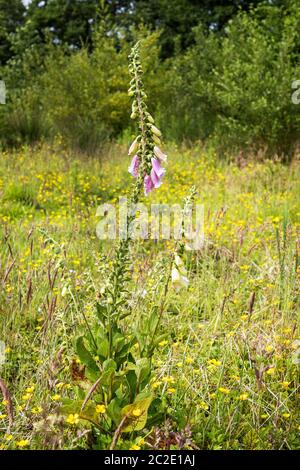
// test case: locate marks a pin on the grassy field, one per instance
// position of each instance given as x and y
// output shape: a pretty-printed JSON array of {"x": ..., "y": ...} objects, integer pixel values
[{"x": 227, "y": 370}]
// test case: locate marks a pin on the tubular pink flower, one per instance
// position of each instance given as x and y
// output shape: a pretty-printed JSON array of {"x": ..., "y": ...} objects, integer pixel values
[
  {"x": 157, "y": 167},
  {"x": 154, "y": 179},
  {"x": 148, "y": 184},
  {"x": 159, "y": 154},
  {"x": 134, "y": 166}
]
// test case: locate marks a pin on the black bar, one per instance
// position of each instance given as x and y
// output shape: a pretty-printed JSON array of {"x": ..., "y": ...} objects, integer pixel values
[{"x": 136, "y": 459}]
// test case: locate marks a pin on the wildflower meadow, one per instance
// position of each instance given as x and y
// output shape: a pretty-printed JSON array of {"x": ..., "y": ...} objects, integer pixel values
[{"x": 150, "y": 287}]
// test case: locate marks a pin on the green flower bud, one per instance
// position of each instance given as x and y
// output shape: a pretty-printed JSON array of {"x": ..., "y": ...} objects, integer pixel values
[
  {"x": 133, "y": 147},
  {"x": 156, "y": 139},
  {"x": 155, "y": 131},
  {"x": 150, "y": 118}
]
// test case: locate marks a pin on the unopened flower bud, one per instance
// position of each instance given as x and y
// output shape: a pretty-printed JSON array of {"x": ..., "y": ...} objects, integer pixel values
[
  {"x": 155, "y": 131},
  {"x": 150, "y": 118},
  {"x": 133, "y": 147},
  {"x": 156, "y": 140}
]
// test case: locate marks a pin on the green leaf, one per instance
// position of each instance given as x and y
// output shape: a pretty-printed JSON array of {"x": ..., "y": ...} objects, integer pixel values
[
  {"x": 101, "y": 311},
  {"x": 70, "y": 406},
  {"x": 85, "y": 356},
  {"x": 137, "y": 413},
  {"x": 142, "y": 369},
  {"x": 109, "y": 364},
  {"x": 114, "y": 410}
]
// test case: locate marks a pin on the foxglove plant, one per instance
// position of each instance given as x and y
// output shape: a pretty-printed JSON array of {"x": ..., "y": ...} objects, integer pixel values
[
  {"x": 147, "y": 157},
  {"x": 147, "y": 170},
  {"x": 120, "y": 374}
]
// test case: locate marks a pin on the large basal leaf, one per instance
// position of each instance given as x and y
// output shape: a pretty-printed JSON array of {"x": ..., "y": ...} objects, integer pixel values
[
  {"x": 137, "y": 413},
  {"x": 70, "y": 406},
  {"x": 85, "y": 356}
]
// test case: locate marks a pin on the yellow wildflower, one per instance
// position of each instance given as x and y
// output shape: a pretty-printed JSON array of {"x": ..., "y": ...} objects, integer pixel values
[
  {"x": 56, "y": 397},
  {"x": 214, "y": 362},
  {"x": 203, "y": 405},
  {"x": 36, "y": 410},
  {"x": 22, "y": 443},
  {"x": 59, "y": 385},
  {"x": 72, "y": 418},
  {"x": 26, "y": 397},
  {"x": 243, "y": 396},
  {"x": 156, "y": 384},
  {"x": 100, "y": 409},
  {"x": 224, "y": 390}
]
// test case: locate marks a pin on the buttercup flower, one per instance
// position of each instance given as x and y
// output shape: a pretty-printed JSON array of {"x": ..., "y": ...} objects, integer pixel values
[
  {"x": 134, "y": 447},
  {"x": 22, "y": 443},
  {"x": 73, "y": 418},
  {"x": 100, "y": 409}
]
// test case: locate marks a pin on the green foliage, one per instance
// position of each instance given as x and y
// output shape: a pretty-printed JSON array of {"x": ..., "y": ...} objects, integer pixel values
[
  {"x": 69, "y": 23},
  {"x": 53, "y": 269},
  {"x": 227, "y": 80},
  {"x": 86, "y": 97},
  {"x": 11, "y": 17},
  {"x": 176, "y": 19},
  {"x": 236, "y": 89},
  {"x": 117, "y": 359}
]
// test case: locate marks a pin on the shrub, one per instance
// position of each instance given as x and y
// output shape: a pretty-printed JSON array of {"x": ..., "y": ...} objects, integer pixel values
[{"x": 236, "y": 89}]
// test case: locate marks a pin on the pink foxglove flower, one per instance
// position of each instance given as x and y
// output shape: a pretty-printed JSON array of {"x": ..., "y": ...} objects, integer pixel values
[
  {"x": 134, "y": 166},
  {"x": 148, "y": 184},
  {"x": 159, "y": 170},
  {"x": 159, "y": 154},
  {"x": 154, "y": 179}
]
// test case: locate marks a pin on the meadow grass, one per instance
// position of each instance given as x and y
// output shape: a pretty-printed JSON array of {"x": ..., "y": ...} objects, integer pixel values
[{"x": 227, "y": 369}]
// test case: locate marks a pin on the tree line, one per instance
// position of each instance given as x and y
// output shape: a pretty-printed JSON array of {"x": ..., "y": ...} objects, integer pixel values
[{"x": 217, "y": 72}]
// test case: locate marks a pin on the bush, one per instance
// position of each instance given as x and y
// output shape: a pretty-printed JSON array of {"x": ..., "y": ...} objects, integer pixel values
[
  {"x": 81, "y": 96},
  {"x": 236, "y": 89},
  {"x": 230, "y": 90}
]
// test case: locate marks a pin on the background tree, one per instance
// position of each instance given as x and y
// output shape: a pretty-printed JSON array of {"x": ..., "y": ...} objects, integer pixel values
[{"x": 11, "y": 17}]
